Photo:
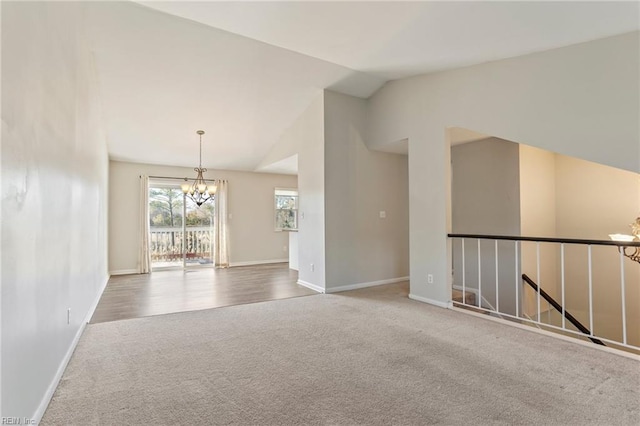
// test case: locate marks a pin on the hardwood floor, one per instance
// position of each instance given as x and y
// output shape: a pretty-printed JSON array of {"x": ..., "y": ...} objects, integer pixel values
[{"x": 133, "y": 296}]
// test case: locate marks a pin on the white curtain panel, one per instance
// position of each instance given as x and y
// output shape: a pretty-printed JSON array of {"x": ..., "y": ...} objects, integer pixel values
[
  {"x": 144, "y": 255},
  {"x": 221, "y": 228}
]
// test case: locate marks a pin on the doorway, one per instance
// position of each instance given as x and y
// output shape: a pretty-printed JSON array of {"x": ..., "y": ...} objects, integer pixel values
[{"x": 181, "y": 233}]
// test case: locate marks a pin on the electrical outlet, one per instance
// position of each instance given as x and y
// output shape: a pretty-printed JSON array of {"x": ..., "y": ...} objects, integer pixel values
[
  {"x": 284, "y": 248},
  {"x": 68, "y": 316},
  {"x": 383, "y": 214},
  {"x": 313, "y": 267},
  {"x": 430, "y": 279}
]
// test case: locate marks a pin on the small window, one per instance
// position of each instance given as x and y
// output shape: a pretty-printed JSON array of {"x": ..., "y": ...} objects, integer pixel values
[{"x": 286, "y": 202}]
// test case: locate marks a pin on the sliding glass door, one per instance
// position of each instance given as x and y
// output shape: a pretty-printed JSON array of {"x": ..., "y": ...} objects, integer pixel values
[
  {"x": 198, "y": 242},
  {"x": 181, "y": 232}
]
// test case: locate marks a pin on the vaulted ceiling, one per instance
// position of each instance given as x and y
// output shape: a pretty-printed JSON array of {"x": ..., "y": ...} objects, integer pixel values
[{"x": 244, "y": 71}]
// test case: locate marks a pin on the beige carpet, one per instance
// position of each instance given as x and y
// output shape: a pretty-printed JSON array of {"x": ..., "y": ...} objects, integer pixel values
[{"x": 365, "y": 357}]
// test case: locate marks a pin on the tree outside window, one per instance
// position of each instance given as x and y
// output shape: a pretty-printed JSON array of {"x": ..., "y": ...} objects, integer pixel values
[
  {"x": 165, "y": 207},
  {"x": 286, "y": 212}
]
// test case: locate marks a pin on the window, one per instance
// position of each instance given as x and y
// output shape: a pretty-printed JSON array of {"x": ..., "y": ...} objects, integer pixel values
[
  {"x": 181, "y": 234},
  {"x": 286, "y": 202}
]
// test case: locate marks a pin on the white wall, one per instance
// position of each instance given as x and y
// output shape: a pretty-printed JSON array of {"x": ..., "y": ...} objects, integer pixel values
[
  {"x": 581, "y": 100},
  {"x": 360, "y": 246},
  {"x": 308, "y": 130},
  {"x": 54, "y": 198},
  {"x": 251, "y": 203},
  {"x": 343, "y": 186},
  {"x": 485, "y": 194},
  {"x": 293, "y": 251}
]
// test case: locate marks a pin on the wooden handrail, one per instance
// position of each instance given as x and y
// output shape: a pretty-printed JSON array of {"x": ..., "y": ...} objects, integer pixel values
[
  {"x": 548, "y": 240},
  {"x": 559, "y": 308}
]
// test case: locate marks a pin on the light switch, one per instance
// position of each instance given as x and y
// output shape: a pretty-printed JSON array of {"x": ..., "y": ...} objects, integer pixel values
[{"x": 383, "y": 214}]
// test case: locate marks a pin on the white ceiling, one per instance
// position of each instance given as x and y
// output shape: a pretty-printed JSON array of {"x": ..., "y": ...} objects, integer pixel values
[
  {"x": 287, "y": 166},
  {"x": 162, "y": 78},
  {"x": 244, "y": 71},
  {"x": 399, "y": 39}
]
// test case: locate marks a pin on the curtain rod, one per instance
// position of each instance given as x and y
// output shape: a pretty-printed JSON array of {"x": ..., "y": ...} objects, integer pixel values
[
  {"x": 165, "y": 177},
  {"x": 173, "y": 177}
]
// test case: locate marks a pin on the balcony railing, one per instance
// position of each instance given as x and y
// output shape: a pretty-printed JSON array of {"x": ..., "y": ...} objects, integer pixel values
[
  {"x": 582, "y": 288},
  {"x": 168, "y": 245}
]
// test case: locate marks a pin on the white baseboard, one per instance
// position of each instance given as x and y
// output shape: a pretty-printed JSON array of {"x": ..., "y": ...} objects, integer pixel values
[
  {"x": 446, "y": 305},
  {"x": 257, "y": 262},
  {"x": 124, "y": 272},
  {"x": 232, "y": 264},
  {"x": 46, "y": 399},
  {"x": 93, "y": 307},
  {"x": 366, "y": 284},
  {"x": 311, "y": 286}
]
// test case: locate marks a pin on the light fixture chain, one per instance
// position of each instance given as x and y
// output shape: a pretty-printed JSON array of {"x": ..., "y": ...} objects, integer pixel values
[
  {"x": 200, "y": 151},
  {"x": 199, "y": 191}
]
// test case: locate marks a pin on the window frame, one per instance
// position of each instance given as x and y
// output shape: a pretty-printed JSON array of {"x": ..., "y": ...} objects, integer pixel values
[{"x": 294, "y": 210}]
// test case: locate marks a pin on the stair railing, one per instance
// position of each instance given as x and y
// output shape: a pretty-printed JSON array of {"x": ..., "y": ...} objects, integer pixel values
[
  {"x": 482, "y": 267},
  {"x": 560, "y": 309}
]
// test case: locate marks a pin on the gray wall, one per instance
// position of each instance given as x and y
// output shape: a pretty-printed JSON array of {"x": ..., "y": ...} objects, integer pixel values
[
  {"x": 252, "y": 235},
  {"x": 538, "y": 99},
  {"x": 361, "y": 247},
  {"x": 343, "y": 186},
  {"x": 485, "y": 199},
  {"x": 308, "y": 131},
  {"x": 54, "y": 198}
]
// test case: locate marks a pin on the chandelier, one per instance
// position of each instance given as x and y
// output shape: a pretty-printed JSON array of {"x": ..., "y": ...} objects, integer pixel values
[
  {"x": 199, "y": 191},
  {"x": 634, "y": 252}
]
